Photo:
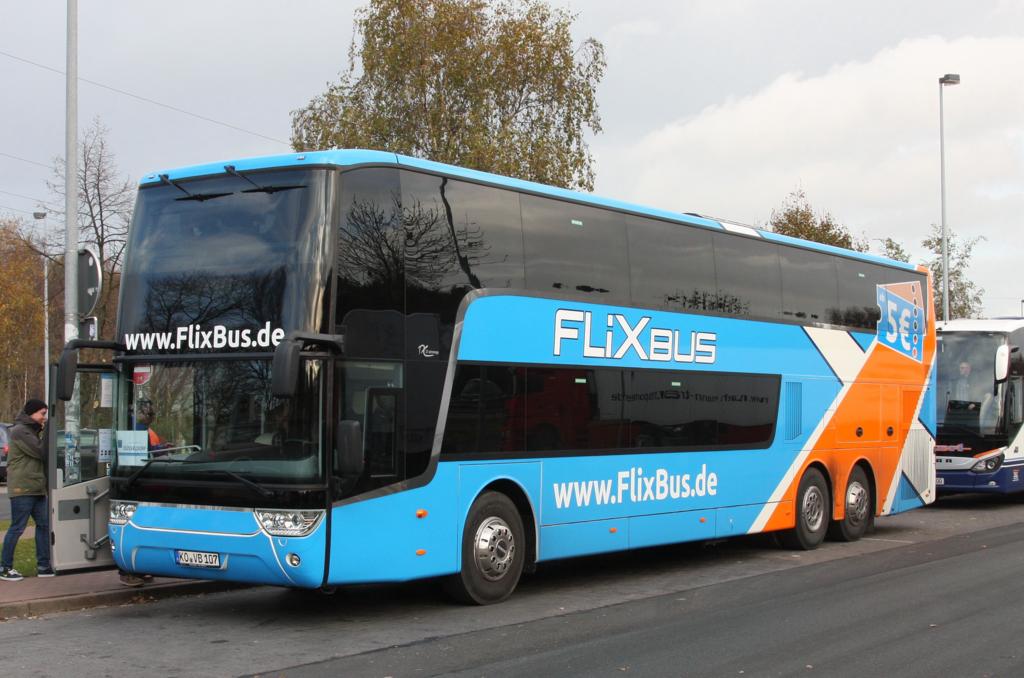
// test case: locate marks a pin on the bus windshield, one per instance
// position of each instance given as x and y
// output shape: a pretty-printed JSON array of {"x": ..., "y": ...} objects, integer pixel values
[
  {"x": 206, "y": 420},
  {"x": 219, "y": 252},
  {"x": 968, "y": 397}
]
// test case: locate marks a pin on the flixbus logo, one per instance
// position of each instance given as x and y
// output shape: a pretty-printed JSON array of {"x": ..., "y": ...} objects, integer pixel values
[
  {"x": 613, "y": 337},
  {"x": 901, "y": 326}
]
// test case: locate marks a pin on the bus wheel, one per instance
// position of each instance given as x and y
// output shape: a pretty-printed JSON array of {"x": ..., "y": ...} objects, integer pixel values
[
  {"x": 812, "y": 513},
  {"x": 493, "y": 549},
  {"x": 859, "y": 509}
]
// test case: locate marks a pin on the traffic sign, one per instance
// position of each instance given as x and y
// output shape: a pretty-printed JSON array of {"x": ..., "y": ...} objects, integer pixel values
[{"x": 90, "y": 280}]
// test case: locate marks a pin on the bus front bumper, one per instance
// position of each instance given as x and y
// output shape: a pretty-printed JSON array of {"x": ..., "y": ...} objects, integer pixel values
[
  {"x": 215, "y": 543},
  {"x": 1008, "y": 478}
]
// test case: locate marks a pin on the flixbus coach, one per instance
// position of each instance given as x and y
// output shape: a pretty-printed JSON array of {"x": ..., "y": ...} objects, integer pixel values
[
  {"x": 980, "y": 406},
  {"x": 361, "y": 367}
]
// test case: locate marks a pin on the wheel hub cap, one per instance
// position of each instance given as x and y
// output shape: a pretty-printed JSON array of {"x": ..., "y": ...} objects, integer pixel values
[
  {"x": 494, "y": 548},
  {"x": 856, "y": 504},
  {"x": 813, "y": 509}
]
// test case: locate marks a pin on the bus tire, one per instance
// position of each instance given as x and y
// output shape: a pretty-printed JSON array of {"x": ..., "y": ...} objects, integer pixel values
[
  {"x": 493, "y": 552},
  {"x": 859, "y": 510},
  {"x": 813, "y": 510}
]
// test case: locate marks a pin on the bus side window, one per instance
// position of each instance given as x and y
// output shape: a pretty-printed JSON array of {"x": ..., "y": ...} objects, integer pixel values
[
  {"x": 381, "y": 431},
  {"x": 1016, "y": 401}
]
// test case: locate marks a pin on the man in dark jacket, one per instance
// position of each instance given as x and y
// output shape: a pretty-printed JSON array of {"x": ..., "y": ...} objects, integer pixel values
[{"x": 26, "y": 486}]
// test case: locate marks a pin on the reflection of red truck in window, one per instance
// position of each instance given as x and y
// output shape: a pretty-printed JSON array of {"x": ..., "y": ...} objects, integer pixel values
[
  {"x": 536, "y": 409},
  {"x": 560, "y": 409},
  {"x": 604, "y": 409}
]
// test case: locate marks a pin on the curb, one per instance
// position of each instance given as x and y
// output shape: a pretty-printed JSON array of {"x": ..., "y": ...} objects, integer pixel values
[{"x": 40, "y": 606}]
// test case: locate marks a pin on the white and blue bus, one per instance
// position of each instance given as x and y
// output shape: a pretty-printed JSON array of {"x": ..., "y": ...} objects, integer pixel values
[
  {"x": 352, "y": 366},
  {"x": 980, "y": 406}
]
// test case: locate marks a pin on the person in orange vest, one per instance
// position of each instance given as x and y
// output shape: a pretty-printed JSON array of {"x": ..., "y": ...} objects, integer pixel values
[{"x": 144, "y": 416}]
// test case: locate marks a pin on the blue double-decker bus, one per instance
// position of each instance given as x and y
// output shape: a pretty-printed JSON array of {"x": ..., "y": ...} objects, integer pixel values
[{"x": 352, "y": 366}]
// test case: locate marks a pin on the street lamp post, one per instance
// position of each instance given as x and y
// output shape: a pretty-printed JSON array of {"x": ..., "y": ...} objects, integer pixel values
[
  {"x": 947, "y": 79},
  {"x": 46, "y": 318}
]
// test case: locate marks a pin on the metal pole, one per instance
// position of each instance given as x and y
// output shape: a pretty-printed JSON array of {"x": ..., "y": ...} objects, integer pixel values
[
  {"x": 72, "y": 410},
  {"x": 71, "y": 180},
  {"x": 945, "y": 232},
  {"x": 46, "y": 328},
  {"x": 41, "y": 216}
]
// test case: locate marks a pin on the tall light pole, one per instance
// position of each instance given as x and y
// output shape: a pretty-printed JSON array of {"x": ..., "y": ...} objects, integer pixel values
[
  {"x": 947, "y": 79},
  {"x": 72, "y": 410},
  {"x": 71, "y": 179},
  {"x": 46, "y": 316}
]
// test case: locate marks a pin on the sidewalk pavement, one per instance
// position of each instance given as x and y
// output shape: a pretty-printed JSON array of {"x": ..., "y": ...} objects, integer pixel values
[
  {"x": 78, "y": 590},
  {"x": 33, "y": 596}
]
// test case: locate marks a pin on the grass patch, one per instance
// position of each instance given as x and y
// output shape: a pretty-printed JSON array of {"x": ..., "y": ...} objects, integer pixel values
[{"x": 24, "y": 552}]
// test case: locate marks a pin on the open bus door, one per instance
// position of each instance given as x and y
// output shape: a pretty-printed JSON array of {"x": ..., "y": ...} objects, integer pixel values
[{"x": 80, "y": 453}]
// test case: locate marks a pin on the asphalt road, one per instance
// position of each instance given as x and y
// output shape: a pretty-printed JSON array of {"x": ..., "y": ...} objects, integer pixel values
[
  {"x": 931, "y": 592},
  {"x": 5, "y": 504},
  {"x": 946, "y": 608}
]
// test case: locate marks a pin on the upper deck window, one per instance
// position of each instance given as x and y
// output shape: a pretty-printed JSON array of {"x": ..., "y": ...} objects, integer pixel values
[{"x": 575, "y": 249}]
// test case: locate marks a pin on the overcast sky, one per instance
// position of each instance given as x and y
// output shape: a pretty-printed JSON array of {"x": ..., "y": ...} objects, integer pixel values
[{"x": 720, "y": 107}]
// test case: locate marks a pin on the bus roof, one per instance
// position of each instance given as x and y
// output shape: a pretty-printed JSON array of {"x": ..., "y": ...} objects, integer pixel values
[
  {"x": 358, "y": 157},
  {"x": 981, "y": 325}
]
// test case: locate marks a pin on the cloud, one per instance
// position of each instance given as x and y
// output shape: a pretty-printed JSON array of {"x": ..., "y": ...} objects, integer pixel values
[{"x": 862, "y": 140}]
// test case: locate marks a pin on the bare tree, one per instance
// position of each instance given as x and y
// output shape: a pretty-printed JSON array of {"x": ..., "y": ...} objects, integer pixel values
[{"x": 105, "y": 199}]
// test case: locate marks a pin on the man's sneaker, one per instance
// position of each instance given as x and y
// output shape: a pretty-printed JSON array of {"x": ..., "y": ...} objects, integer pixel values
[
  {"x": 10, "y": 574},
  {"x": 132, "y": 580},
  {"x": 46, "y": 572}
]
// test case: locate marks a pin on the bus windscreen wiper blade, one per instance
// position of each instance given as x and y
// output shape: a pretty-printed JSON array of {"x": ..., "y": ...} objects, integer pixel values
[
  {"x": 135, "y": 475},
  {"x": 198, "y": 197},
  {"x": 257, "y": 188},
  {"x": 242, "y": 479}
]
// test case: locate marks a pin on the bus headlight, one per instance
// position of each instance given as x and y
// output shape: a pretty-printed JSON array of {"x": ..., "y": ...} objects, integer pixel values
[
  {"x": 289, "y": 523},
  {"x": 988, "y": 465},
  {"x": 122, "y": 511}
]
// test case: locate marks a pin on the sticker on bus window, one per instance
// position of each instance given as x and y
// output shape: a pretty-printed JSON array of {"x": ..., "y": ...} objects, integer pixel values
[
  {"x": 106, "y": 390},
  {"x": 105, "y": 445},
  {"x": 141, "y": 374},
  {"x": 132, "y": 448}
]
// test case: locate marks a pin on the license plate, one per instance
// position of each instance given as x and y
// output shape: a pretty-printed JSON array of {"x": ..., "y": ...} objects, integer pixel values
[
  {"x": 940, "y": 481},
  {"x": 197, "y": 558}
]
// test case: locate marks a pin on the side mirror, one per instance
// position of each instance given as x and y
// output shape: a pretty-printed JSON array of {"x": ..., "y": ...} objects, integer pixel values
[
  {"x": 348, "y": 450},
  {"x": 66, "y": 372},
  {"x": 1002, "y": 363},
  {"x": 284, "y": 370}
]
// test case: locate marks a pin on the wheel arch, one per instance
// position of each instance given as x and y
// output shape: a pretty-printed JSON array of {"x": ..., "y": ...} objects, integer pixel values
[{"x": 823, "y": 469}]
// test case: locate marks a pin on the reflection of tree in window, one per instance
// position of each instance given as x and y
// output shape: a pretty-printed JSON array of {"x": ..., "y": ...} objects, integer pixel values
[{"x": 243, "y": 300}]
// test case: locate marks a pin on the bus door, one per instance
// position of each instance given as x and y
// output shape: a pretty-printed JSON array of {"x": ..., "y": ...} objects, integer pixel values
[
  {"x": 382, "y": 434},
  {"x": 80, "y": 452}
]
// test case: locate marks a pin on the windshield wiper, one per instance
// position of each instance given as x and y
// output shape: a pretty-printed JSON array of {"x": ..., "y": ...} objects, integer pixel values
[
  {"x": 198, "y": 197},
  {"x": 230, "y": 169},
  {"x": 242, "y": 479},
  {"x": 162, "y": 460},
  {"x": 947, "y": 428}
]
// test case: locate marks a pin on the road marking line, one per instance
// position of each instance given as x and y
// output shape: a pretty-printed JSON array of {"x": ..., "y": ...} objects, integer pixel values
[{"x": 895, "y": 541}]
